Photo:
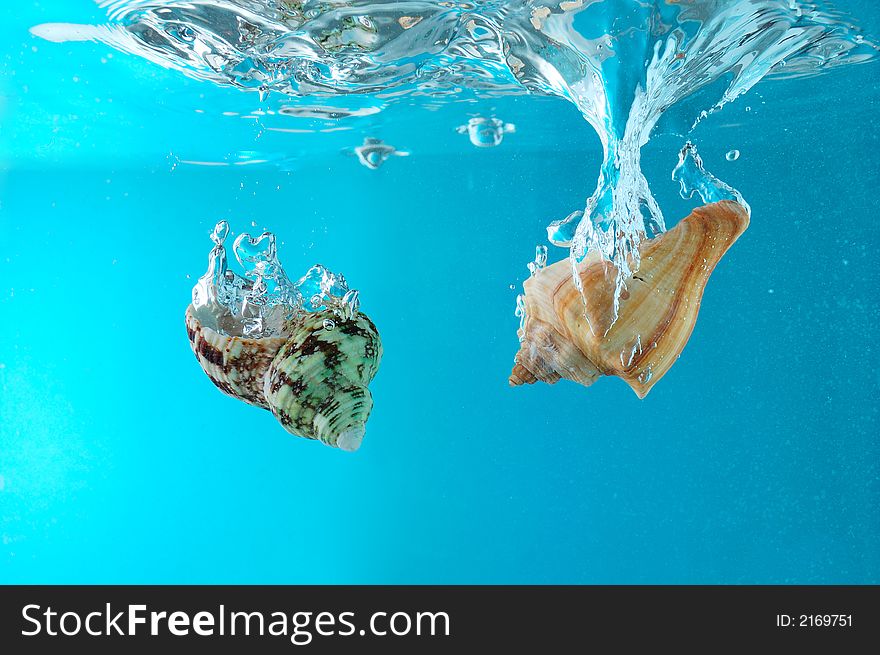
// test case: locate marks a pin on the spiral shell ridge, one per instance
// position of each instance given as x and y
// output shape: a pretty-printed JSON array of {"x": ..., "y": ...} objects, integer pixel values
[
  {"x": 313, "y": 377},
  {"x": 316, "y": 386},
  {"x": 579, "y": 337}
]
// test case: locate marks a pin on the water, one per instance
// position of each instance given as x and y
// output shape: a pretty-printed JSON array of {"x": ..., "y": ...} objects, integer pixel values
[
  {"x": 260, "y": 302},
  {"x": 622, "y": 63},
  {"x": 753, "y": 460}
]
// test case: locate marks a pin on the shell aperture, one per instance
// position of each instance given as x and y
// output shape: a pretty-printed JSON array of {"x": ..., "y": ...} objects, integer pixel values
[
  {"x": 302, "y": 350},
  {"x": 569, "y": 335}
]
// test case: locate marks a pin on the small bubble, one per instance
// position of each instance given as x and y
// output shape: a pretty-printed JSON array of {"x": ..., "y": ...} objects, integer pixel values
[
  {"x": 733, "y": 155},
  {"x": 329, "y": 324}
]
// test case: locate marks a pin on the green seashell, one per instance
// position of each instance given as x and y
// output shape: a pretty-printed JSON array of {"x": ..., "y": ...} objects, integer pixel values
[
  {"x": 313, "y": 377},
  {"x": 316, "y": 385}
]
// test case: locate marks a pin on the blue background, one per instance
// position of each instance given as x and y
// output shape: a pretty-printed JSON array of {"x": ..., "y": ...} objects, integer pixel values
[{"x": 755, "y": 460}]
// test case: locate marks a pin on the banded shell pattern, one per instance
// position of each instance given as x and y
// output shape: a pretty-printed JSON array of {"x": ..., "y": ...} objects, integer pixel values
[
  {"x": 313, "y": 377},
  {"x": 566, "y": 334}
]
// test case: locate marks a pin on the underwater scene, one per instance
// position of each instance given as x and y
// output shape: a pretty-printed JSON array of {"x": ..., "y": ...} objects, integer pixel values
[{"x": 347, "y": 291}]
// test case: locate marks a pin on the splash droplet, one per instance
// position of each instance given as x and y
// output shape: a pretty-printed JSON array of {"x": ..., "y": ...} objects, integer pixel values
[
  {"x": 261, "y": 301},
  {"x": 693, "y": 178},
  {"x": 221, "y": 231},
  {"x": 540, "y": 260}
]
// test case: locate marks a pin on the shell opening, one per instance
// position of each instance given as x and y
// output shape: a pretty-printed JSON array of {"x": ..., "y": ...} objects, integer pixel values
[{"x": 263, "y": 300}]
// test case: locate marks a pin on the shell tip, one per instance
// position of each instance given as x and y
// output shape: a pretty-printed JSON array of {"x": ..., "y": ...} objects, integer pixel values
[
  {"x": 350, "y": 440},
  {"x": 521, "y": 375},
  {"x": 640, "y": 389}
]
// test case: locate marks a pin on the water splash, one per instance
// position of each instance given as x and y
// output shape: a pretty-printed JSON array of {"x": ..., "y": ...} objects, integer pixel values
[
  {"x": 520, "y": 313},
  {"x": 540, "y": 262},
  {"x": 260, "y": 302},
  {"x": 623, "y": 63},
  {"x": 486, "y": 132},
  {"x": 326, "y": 113},
  {"x": 693, "y": 178},
  {"x": 560, "y": 233}
]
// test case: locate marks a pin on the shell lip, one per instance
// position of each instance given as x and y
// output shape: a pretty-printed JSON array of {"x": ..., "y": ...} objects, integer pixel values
[{"x": 228, "y": 326}]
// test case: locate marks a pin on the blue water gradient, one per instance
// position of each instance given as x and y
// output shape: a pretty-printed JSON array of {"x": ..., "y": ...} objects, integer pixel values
[{"x": 755, "y": 460}]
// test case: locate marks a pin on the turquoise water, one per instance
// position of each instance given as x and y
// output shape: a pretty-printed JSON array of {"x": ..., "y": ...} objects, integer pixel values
[{"x": 754, "y": 460}]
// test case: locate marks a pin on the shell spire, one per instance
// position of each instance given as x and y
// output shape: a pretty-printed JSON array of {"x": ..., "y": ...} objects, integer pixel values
[{"x": 569, "y": 335}]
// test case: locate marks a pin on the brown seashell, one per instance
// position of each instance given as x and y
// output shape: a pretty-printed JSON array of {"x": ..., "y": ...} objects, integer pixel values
[
  {"x": 236, "y": 365},
  {"x": 564, "y": 336}
]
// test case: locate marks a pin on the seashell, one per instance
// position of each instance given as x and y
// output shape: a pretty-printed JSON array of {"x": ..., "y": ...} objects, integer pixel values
[
  {"x": 573, "y": 336},
  {"x": 316, "y": 385},
  {"x": 313, "y": 376}
]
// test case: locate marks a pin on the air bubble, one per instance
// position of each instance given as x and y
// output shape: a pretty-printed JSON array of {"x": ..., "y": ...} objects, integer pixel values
[{"x": 486, "y": 132}]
